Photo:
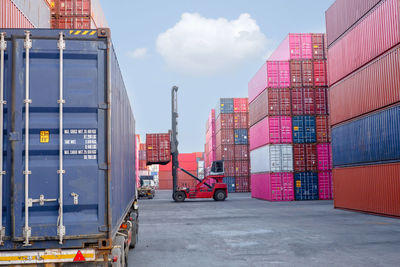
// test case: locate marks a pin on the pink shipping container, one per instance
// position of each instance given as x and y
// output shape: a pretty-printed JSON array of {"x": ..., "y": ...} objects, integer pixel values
[
  {"x": 372, "y": 87},
  {"x": 12, "y": 17},
  {"x": 273, "y": 186},
  {"x": 242, "y": 184},
  {"x": 240, "y": 105},
  {"x": 324, "y": 157},
  {"x": 271, "y": 130},
  {"x": 211, "y": 121},
  {"x": 303, "y": 101},
  {"x": 295, "y": 46},
  {"x": 273, "y": 102},
  {"x": 273, "y": 74},
  {"x": 319, "y": 46},
  {"x": 343, "y": 14},
  {"x": 325, "y": 185},
  {"x": 376, "y": 33}
]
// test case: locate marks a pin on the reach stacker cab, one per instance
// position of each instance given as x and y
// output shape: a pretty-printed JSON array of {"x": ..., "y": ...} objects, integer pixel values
[{"x": 218, "y": 190}]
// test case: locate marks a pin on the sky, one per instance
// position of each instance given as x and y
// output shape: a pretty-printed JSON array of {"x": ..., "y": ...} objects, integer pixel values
[{"x": 210, "y": 49}]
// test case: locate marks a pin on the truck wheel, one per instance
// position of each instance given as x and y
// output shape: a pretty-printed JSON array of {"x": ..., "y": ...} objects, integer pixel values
[
  {"x": 134, "y": 237},
  {"x": 180, "y": 196},
  {"x": 219, "y": 195}
]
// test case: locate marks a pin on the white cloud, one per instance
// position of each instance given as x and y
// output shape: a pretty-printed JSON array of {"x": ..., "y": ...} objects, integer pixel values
[
  {"x": 138, "y": 53},
  {"x": 198, "y": 45}
]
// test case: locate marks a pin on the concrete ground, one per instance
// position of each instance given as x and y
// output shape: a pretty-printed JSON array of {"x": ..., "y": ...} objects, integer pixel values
[{"x": 242, "y": 231}]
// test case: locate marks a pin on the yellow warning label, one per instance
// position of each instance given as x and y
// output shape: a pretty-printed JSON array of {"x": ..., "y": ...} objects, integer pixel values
[
  {"x": 298, "y": 183},
  {"x": 296, "y": 128},
  {"x": 44, "y": 136},
  {"x": 222, "y": 105},
  {"x": 316, "y": 46}
]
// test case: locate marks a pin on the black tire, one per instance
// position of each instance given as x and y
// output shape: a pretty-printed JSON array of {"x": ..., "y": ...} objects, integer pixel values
[
  {"x": 134, "y": 237},
  {"x": 219, "y": 195},
  {"x": 180, "y": 196}
]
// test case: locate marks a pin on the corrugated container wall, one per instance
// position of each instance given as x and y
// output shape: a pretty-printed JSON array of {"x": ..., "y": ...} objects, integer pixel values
[
  {"x": 343, "y": 14},
  {"x": 376, "y": 33},
  {"x": 98, "y": 152},
  {"x": 11, "y": 16}
]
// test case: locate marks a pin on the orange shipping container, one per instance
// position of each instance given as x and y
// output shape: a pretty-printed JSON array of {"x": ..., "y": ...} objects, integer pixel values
[{"x": 373, "y": 188}]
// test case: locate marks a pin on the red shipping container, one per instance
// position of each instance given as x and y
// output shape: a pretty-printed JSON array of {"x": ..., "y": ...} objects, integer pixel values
[
  {"x": 325, "y": 185},
  {"x": 229, "y": 168},
  {"x": 324, "y": 157},
  {"x": 71, "y": 23},
  {"x": 372, "y": 87},
  {"x": 142, "y": 165},
  {"x": 225, "y": 137},
  {"x": 273, "y": 74},
  {"x": 304, "y": 157},
  {"x": 240, "y": 105},
  {"x": 211, "y": 121},
  {"x": 323, "y": 129},
  {"x": 242, "y": 184},
  {"x": 318, "y": 46},
  {"x": 226, "y": 152},
  {"x": 224, "y": 121},
  {"x": 303, "y": 101},
  {"x": 158, "y": 148},
  {"x": 321, "y": 101},
  {"x": 320, "y": 74},
  {"x": 272, "y": 102},
  {"x": 294, "y": 46},
  {"x": 241, "y": 152},
  {"x": 371, "y": 188},
  {"x": 241, "y": 168},
  {"x": 12, "y": 17},
  {"x": 307, "y": 73},
  {"x": 373, "y": 35},
  {"x": 81, "y": 8},
  {"x": 241, "y": 120},
  {"x": 343, "y": 14},
  {"x": 296, "y": 77}
]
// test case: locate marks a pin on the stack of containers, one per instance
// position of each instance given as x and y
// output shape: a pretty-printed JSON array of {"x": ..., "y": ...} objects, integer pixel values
[
  {"x": 77, "y": 14},
  {"x": 364, "y": 78},
  {"x": 210, "y": 146},
  {"x": 232, "y": 142},
  {"x": 289, "y": 129},
  {"x": 142, "y": 160}
]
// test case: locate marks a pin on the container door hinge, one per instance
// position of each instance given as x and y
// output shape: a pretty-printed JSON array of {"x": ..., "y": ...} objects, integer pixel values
[
  {"x": 14, "y": 136},
  {"x": 103, "y": 166},
  {"x": 103, "y": 106},
  {"x": 103, "y": 228}
]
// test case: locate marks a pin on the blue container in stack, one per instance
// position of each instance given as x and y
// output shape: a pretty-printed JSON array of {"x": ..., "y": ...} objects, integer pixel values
[
  {"x": 368, "y": 140},
  {"x": 304, "y": 129},
  {"x": 306, "y": 185},
  {"x": 231, "y": 184},
  {"x": 241, "y": 137}
]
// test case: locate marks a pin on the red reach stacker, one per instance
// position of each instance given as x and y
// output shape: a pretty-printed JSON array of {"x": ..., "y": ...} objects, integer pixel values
[{"x": 204, "y": 189}]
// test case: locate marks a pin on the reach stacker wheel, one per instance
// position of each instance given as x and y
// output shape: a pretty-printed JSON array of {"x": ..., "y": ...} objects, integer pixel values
[
  {"x": 219, "y": 195},
  {"x": 180, "y": 196}
]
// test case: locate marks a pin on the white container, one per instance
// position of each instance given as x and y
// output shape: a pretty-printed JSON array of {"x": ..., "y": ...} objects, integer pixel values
[{"x": 272, "y": 158}]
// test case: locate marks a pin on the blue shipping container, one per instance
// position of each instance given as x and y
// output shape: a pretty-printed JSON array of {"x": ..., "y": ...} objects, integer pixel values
[
  {"x": 371, "y": 139},
  {"x": 241, "y": 137},
  {"x": 304, "y": 130},
  {"x": 225, "y": 106},
  {"x": 231, "y": 183},
  {"x": 75, "y": 103},
  {"x": 306, "y": 185}
]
